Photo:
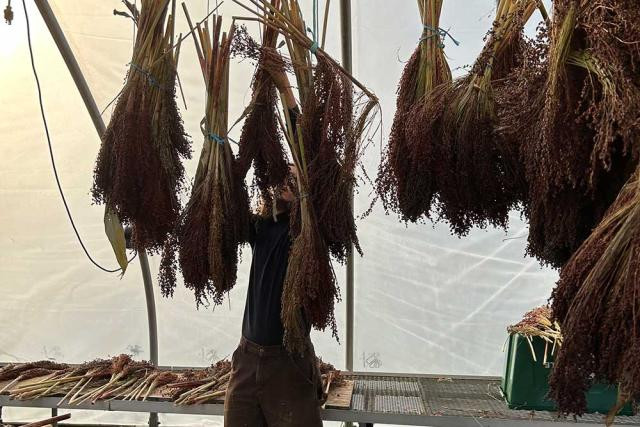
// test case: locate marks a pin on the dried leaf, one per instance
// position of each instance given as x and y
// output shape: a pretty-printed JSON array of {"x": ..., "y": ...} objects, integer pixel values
[{"x": 114, "y": 231}]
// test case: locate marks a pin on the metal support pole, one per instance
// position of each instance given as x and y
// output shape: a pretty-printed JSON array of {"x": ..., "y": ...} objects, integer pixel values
[
  {"x": 151, "y": 312},
  {"x": 345, "y": 36},
  {"x": 151, "y": 316},
  {"x": 345, "y": 33},
  {"x": 76, "y": 73},
  {"x": 69, "y": 59}
]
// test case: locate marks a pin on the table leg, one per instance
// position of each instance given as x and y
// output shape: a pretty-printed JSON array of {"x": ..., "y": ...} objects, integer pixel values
[
  {"x": 153, "y": 420},
  {"x": 54, "y": 413}
]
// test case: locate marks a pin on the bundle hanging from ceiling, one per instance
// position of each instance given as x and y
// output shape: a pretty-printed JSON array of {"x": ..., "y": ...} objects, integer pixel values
[
  {"x": 573, "y": 107},
  {"x": 326, "y": 143},
  {"x": 215, "y": 222},
  {"x": 138, "y": 172}
]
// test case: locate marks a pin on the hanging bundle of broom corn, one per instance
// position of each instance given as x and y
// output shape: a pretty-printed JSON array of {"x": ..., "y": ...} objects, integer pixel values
[
  {"x": 326, "y": 145},
  {"x": 447, "y": 130},
  {"x": 216, "y": 219},
  {"x": 575, "y": 117},
  {"x": 406, "y": 175},
  {"x": 261, "y": 142},
  {"x": 596, "y": 301},
  {"x": 480, "y": 183},
  {"x": 138, "y": 173},
  {"x": 596, "y": 296},
  {"x": 559, "y": 216},
  {"x": 310, "y": 288}
]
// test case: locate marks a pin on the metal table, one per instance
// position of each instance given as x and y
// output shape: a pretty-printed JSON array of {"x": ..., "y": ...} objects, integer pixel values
[{"x": 420, "y": 400}]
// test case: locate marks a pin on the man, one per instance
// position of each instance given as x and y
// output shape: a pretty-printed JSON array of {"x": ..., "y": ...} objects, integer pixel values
[{"x": 268, "y": 385}]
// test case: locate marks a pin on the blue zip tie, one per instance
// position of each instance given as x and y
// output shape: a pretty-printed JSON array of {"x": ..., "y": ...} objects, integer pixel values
[{"x": 441, "y": 33}]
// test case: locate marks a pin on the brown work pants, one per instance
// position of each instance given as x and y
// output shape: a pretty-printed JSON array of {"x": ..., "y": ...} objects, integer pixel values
[{"x": 270, "y": 387}]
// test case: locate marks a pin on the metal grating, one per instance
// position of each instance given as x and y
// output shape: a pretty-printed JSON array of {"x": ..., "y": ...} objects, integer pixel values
[
  {"x": 399, "y": 405},
  {"x": 390, "y": 395},
  {"x": 483, "y": 399},
  {"x": 476, "y": 398}
]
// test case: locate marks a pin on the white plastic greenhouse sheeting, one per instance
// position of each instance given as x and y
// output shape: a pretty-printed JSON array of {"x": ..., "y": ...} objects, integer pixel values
[{"x": 425, "y": 301}]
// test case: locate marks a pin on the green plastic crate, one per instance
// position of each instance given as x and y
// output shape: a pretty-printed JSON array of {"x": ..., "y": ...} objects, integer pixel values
[{"x": 525, "y": 382}]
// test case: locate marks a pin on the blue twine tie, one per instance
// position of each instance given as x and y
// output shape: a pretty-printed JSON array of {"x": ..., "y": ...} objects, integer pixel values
[
  {"x": 440, "y": 33},
  {"x": 217, "y": 138},
  {"x": 211, "y": 136},
  {"x": 220, "y": 140},
  {"x": 152, "y": 80}
]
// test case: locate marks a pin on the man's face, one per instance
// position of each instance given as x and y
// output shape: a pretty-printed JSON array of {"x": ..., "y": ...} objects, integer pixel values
[{"x": 286, "y": 192}]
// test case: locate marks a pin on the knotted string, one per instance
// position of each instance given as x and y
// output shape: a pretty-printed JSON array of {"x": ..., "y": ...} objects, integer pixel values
[
  {"x": 440, "y": 33},
  {"x": 214, "y": 137}
]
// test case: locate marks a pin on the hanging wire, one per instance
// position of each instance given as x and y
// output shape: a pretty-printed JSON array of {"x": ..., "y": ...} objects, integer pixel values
[{"x": 53, "y": 162}]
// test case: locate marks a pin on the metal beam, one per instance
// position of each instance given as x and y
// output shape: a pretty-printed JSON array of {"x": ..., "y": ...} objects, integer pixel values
[
  {"x": 345, "y": 415},
  {"x": 74, "y": 69},
  {"x": 345, "y": 35},
  {"x": 76, "y": 73}
]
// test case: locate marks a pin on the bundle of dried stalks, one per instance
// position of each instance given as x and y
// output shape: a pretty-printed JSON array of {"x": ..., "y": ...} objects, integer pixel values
[
  {"x": 479, "y": 181},
  {"x": 326, "y": 146},
  {"x": 138, "y": 173},
  {"x": 261, "y": 142},
  {"x": 596, "y": 301},
  {"x": 573, "y": 107},
  {"x": 406, "y": 176},
  {"x": 215, "y": 221}
]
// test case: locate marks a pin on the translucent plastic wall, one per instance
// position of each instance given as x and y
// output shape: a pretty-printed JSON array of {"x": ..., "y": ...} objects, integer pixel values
[{"x": 425, "y": 301}]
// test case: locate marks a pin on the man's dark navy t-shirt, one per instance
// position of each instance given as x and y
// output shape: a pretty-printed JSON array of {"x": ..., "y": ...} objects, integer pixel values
[{"x": 270, "y": 243}]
